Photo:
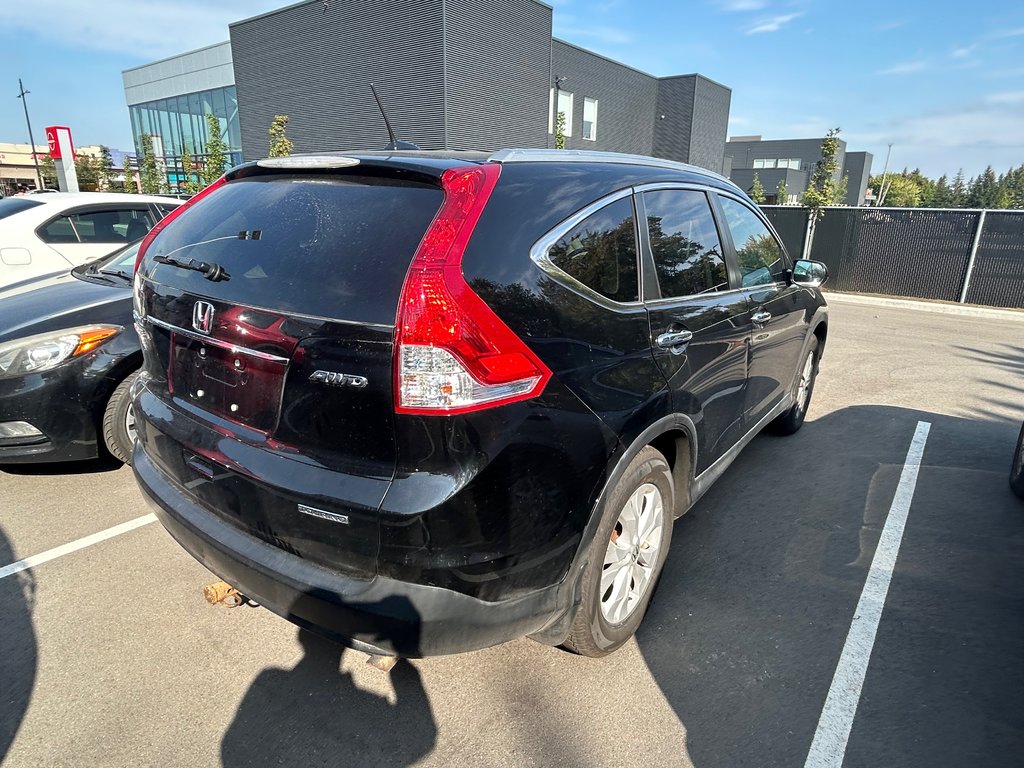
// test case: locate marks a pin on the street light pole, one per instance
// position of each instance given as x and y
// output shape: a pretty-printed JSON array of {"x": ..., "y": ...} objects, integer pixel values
[
  {"x": 31, "y": 141},
  {"x": 881, "y": 189}
]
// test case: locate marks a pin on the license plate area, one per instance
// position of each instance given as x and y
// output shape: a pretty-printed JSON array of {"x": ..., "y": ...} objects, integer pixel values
[{"x": 229, "y": 382}]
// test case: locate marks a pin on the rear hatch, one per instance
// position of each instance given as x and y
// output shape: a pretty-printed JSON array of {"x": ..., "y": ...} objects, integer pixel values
[{"x": 270, "y": 391}]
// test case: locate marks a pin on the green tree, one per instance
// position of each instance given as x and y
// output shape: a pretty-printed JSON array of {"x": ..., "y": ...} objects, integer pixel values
[
  {"x": 984, "y": 191},
  {"x": 958, "y": 190},
  {"x": 128, "y": 177},
  {"x": 560, "y": 130},
  {"x": 150, "y": 178},
  {"x": 105, "y": 168},
  {"x": 188, "y": 163},
  {"x": 942, "y": 197},
  {"x": 216, "y": 151},
  {"x": 823, "y": 188},
  {"x": 782, "y": 193},
  {"x": 280, "y": 144},
  {"x": 48, "y": 170},
  {"x": 756, "y": 190},
  {"x": 87, "y": 173},
  {"x": 903, "y": 192}
]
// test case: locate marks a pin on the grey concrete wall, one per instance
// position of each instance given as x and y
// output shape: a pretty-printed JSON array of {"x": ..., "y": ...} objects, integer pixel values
[
  {"x": 625, "y": 100},
  {"x": 858, "y": 171},
  {"x": 314, "y": 62}
]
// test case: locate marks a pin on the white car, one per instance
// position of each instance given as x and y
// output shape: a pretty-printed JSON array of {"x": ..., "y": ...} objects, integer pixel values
[{"x": 42, "y": 234}]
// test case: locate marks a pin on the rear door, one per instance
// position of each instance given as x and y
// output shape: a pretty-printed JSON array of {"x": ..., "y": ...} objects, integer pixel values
[
  {"x": 699, "y": 322},
  {"x": 778, "y": 319}
]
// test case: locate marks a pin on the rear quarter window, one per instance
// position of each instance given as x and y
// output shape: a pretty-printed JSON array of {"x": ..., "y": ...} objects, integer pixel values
[
  {"x": 12, "y": 205},
  {"x": 322, "y": 246}
]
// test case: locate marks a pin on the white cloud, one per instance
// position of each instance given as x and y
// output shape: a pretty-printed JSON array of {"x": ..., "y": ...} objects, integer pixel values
[
  {"x": 1019, "y": 32},
  {"x": 114, "y": 25},
  {"x": 905, "y": 68},
  {"x": 964, "y": 52},
  {"x": 742, "y": 5},
  {"x": 773, "y": 24},
  {"x": 1006, "y": 97}
]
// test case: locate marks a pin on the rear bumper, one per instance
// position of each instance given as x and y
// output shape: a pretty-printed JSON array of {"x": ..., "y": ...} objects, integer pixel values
[{"x": 378, "y": 615}]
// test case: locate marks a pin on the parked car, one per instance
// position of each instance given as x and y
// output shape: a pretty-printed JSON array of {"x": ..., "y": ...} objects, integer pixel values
[
  {"x": 427, "y": 402},
  {"x": 68, "y": 356},
  {"x": 1017, "y": 467},
  {"x": 43, "y": 234}
]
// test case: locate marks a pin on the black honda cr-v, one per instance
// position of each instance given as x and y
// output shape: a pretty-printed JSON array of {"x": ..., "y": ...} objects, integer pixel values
[{"x": 428, "y": 402}]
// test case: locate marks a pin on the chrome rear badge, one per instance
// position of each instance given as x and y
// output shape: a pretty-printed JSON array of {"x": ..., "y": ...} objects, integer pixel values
[
  {"x": 202, "y": 316},
  {"x": 334, "y": 517},
  {"x": 333, "y": 379}
]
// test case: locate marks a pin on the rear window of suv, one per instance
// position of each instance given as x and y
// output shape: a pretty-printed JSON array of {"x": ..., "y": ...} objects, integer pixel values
[{"x": 322, "y": 246}]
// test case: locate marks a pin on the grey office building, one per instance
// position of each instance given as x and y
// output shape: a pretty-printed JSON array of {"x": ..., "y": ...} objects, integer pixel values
[
  {"x": 453, "y": 74},
  {"x": 792, "y": 161}
]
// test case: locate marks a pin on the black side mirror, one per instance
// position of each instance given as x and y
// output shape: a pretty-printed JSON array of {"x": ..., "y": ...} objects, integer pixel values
[{"x": 810, "y": 273}]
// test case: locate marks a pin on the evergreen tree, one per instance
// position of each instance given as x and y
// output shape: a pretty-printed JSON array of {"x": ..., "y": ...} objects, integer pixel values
[
  {"x": 958, "y": 190},
  {"x": 984, "y": 190},
  {"x": 216, "y": 151},
  {"x": 105, "y": 168},
  {"x": 942, "y": 197},
  {"x": 280, "y": 144},
  {"x": 756, "y": 190}
]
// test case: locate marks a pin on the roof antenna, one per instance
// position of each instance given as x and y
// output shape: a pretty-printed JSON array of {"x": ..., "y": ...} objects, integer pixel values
[{"x": 394, "y": 143}]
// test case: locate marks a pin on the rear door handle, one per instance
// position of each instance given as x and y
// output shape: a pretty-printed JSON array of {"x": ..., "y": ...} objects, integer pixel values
[
  {"x": 761, "y": 317},
  {"x": 673, "y": 339}
]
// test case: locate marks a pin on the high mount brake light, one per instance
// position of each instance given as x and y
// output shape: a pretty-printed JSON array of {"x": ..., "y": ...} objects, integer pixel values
[
  {"x": 158, "y": 228},
  {"x": 453, "y": 354}
]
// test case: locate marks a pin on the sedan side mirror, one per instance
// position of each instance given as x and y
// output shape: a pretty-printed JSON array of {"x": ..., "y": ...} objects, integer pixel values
[{"x": 810, "y": 273}]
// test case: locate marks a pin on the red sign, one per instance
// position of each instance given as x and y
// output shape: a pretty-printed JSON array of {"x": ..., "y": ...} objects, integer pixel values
[{"x": 53, "y": 140}]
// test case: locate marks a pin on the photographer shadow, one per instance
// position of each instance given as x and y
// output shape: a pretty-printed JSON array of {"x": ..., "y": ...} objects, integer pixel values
[{"x": 314, "y": 714}]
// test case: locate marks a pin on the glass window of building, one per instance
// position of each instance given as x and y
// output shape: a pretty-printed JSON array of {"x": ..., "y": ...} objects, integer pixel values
[{"x": 589, "y": 118}]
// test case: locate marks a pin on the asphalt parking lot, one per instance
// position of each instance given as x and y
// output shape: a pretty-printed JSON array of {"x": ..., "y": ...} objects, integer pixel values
[{"x": 110, "y": 657}]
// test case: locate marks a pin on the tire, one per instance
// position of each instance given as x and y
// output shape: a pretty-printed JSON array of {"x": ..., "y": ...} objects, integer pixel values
[
  {"x": 118, "y": 434},
  {"x": 1017, "y": 467},
  {"x": 608, "y": 616},
  {"x": 791, "y": 421}
]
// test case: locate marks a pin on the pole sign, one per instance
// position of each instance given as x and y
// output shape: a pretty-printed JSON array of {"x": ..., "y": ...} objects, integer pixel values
[{"x": 58, "y": 137}]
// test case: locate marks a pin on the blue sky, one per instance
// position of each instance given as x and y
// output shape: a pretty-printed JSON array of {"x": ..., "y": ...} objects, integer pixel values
[{"x": 942, "y": 81}]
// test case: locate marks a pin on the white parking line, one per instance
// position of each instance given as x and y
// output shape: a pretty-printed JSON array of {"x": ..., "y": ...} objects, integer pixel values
[
  {"x": 74, "y": 546},
  {"x": 833, "y": 731}
]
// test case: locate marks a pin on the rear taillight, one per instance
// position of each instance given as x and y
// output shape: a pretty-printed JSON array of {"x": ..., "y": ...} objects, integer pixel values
[
  {"x": 148, "y": 239},
  {"x": 452, "y": 353}
]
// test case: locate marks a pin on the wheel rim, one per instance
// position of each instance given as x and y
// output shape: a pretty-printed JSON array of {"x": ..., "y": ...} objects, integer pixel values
[
  {"x": 803, "y": 391},
  {"x": 129, "y": 423},
  {"x": 632, "y": 554}
]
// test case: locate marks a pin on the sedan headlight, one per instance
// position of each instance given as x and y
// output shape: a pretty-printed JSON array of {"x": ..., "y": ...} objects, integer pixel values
[{"x": 44, "y": 351}]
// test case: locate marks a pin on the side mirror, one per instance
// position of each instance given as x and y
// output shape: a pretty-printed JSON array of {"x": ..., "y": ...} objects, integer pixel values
[{"x": 810, "y": 273}]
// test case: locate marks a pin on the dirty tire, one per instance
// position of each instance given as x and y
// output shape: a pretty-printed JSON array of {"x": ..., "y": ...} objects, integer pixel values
[
  {"x": 592, "y": 633},
  {"x": 1017, "y": 467},
  {"x": 115, "y": 428},
  {"x": 791, "y": 421}
]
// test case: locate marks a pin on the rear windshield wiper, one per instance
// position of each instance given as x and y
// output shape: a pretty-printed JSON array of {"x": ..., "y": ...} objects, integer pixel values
[
  {"x": 214, "y": 272},
  {"x": 116, "y": 273}
]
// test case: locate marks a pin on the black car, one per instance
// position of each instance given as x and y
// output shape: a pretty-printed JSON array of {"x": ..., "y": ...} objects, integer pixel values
[
  {"x": 1017, "y": 466},
  {"x": 68, "y": 356},
  {"x": 429, "y": 402}
]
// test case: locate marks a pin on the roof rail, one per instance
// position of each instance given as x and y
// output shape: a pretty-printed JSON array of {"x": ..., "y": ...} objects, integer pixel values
[{"x": 590, "y": 156}]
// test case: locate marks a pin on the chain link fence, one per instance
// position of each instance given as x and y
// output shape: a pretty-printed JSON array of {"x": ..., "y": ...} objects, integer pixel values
[{"x": 946, "y": 254}]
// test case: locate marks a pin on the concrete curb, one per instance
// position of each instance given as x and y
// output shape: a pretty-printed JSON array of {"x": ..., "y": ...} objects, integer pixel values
[{"x": 923, "y": 305}]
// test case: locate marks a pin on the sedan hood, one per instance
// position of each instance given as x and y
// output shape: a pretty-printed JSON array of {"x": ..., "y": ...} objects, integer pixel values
[{"x": 62, "y": 301}]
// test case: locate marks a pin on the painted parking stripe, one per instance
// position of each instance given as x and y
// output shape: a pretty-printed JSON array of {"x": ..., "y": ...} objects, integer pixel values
[
  {"x": 833, "y": 731},
  {"x": 74, "y": 546}
]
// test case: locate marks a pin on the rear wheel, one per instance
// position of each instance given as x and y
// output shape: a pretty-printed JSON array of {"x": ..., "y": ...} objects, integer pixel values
[
  {"x": 627, "y": 556},
  {"x": 793, "y": 419},
  {"x": 119, "y": 421},
  {"x": 1017, "y": 467}
]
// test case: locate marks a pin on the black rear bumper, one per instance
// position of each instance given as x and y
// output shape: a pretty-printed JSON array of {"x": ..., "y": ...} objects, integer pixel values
[{"x": 378, "y": 615}]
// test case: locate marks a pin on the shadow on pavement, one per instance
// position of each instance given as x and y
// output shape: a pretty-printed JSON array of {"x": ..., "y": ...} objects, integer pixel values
[
  {"x": 18, "y": 656},
  {"x": 315, "y": 715},
  {"x": 759, "y": 591}
]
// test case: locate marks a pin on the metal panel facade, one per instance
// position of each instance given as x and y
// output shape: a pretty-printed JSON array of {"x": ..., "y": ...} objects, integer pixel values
[
  {"x": 625, "y": 100},
  {"x": 710, "y": 123},
  {"x": 201, "y": 70},
  {"x": 497, "y": 57},
  {"x": 673, "y": 118},
  {"x": 858, "y": 169},
  {"x": 314, "y": 62}
]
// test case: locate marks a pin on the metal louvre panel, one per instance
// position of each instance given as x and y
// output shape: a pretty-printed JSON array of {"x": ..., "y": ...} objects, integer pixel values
[
  {"x": 625, "y": 96},
  {"x": 314, "y": 62},
  {"x": 676, "y": 102},
  {"x": 998, "y": 276},
  {"x": 497, "y": 78},
  {"x": 711, "y": 103},
  {"x": 916, "y": 253},
  {"x": 790, "y": 223}
]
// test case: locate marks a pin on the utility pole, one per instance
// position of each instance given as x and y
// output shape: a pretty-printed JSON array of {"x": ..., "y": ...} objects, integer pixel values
[
  {"x": 881, "y": 188},
  {"x": 31, "y": 141}
]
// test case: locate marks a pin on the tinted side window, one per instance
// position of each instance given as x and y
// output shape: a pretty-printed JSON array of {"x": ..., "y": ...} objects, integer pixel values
[
  {"x": 59, "y": 231},
  {"x": 684, "y": 242},
  {"x": 601, "y": 252},
  {"x": 759, "y": 253},
  {"x": 12, "y": 205},
  {"x": 112, "y": 226}
]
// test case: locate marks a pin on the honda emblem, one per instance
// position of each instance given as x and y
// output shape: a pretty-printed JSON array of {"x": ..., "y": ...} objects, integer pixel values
[{"x": 202, "y": 316}]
